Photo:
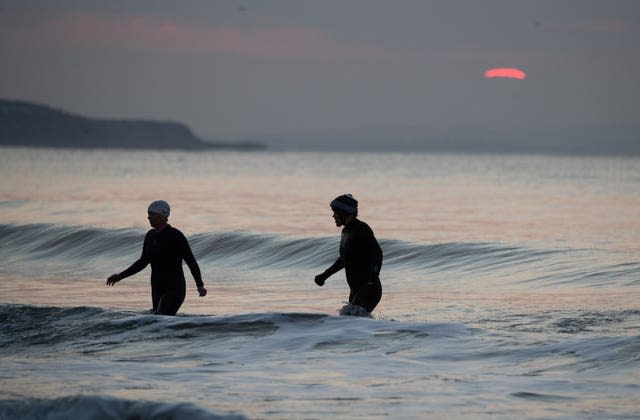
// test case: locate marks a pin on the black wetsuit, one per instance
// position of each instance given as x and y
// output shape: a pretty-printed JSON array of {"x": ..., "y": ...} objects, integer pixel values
[
  {"x": 361, "y": 257},
  {"x": 165, "y": 251}
]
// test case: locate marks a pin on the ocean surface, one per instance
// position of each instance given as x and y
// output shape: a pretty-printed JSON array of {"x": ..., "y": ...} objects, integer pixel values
[{"x": 511, "y": 287}]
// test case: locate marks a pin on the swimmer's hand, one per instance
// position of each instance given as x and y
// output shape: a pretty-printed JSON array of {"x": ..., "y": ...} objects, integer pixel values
[
  {"x": 202, "y": 291},
  {"x": 320, "y": 279},
  {"x": 113, "y": 279}
]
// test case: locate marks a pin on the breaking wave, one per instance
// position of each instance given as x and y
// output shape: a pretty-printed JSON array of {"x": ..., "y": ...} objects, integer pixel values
[
  {"x": 85, "y": 246},
  {"x": 104, "y": 407}
]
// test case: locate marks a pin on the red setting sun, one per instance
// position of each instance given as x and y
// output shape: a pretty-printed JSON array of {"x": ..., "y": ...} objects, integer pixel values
[{"x": 505, "y": 72}]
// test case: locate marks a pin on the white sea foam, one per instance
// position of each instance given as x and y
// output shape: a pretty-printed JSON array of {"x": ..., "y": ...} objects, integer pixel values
[{"x": 354, "y": 310}]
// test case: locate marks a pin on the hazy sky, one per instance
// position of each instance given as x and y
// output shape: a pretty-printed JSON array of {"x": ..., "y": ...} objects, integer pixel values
[{"x": 231, "y": 69}]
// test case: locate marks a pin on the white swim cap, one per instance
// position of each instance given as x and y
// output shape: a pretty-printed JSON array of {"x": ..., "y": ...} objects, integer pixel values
[{"x": 159, "y": 207}]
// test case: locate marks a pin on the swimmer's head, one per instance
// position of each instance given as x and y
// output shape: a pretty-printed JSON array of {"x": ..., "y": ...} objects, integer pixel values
[
  {"x": 160, "y": 207},
  {"x": 345, "y": 204}
]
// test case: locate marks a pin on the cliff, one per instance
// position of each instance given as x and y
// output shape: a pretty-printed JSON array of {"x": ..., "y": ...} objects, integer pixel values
[{"x": 28, "y": 124}]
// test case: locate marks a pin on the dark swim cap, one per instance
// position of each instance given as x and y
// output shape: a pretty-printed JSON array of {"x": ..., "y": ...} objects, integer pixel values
[{"x": 345, "y": 204}]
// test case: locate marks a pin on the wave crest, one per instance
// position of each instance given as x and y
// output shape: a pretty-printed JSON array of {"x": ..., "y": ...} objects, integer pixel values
[
  {"x": 93, "y": 407},
  {"x": 81, "y": 244}
]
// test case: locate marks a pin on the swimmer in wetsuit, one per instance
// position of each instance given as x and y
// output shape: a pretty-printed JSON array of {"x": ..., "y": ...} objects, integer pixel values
[
  {"x": 360, "y": 255},
  {"x": 164, "y": 248}
]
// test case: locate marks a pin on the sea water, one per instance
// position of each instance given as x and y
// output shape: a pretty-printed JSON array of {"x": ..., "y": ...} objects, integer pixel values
[{"x": 511, "y": 287}]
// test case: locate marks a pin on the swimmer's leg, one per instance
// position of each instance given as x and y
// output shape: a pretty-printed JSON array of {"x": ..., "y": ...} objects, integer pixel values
[
  {"x": 368, "y": 297},
  {"x": 170, "y": 302},
  {"x": 155, "y": 300}
]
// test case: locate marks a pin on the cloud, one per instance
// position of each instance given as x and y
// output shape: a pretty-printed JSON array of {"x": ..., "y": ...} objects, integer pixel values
[
  {"x": 139, "y": 33},
  {"x": 602, "y": 27},
  {"x": 606, "y": 27}
]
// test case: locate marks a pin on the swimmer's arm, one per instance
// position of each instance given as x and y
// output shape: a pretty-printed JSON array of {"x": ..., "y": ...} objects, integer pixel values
[
  {"x": 136, "y": 267},
  {"x": 337, "y": 266},
  {"x": 188, "y": 257}
]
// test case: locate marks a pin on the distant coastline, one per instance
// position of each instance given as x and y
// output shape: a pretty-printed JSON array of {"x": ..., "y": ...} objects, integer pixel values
[
  {"x": 33, "y": 125},
  {"x": 26, "y": 124}
]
